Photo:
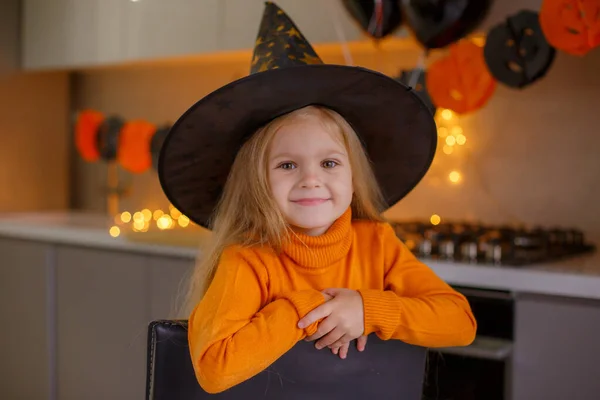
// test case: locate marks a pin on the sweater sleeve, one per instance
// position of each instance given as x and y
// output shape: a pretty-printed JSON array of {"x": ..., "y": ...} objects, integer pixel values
[
  {"x": 416, "y": 306},
  {"x": 234, "y": 334}
]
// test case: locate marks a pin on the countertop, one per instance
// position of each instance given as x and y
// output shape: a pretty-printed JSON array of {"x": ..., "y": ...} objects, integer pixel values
[{"x": 574, "y": 277}]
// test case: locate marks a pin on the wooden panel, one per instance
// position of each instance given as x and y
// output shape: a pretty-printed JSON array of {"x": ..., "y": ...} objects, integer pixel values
[
  {"x": 103, "y": 312},
  {"x": 24, "y": 336},
  {"x": 556, "y": 349}
]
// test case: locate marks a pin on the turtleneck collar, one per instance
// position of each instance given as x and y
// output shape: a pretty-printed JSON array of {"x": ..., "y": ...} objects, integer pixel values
[{"x": 318, "y": 252}]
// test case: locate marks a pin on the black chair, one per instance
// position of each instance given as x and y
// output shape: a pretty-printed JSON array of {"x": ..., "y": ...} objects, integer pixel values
[{"x": 385, "y": 370}]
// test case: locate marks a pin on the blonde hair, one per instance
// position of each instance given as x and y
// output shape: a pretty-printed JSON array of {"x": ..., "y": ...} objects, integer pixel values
[{"x": 247, "y": 213}]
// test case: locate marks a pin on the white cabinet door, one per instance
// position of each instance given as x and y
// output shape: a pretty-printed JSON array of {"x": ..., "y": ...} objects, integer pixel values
[
  {"x": 73, "y": 33},
  {"x": 159, "y": 28}
]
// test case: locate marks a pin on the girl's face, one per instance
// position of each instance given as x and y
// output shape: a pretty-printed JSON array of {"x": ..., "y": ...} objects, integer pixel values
[{"x": 309, "y": 175}]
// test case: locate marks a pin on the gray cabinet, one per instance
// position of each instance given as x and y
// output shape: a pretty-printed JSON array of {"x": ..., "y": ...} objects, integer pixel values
[
  {"x": 174, "y": 28},
  {"x": 70, "y": 34},
  {"x": 103, "y": 311},
  {"x": 315, "y": 18},
  {"x": 27, "y": 333},
  {"x": 73, "y": 33},
  {"x": 105, "y": 300},
  {"x": 556, "y": 348},
  {"x": 167, "y": 286}
]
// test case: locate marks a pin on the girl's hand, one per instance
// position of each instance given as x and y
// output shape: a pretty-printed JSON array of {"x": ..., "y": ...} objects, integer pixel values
[
  {"x": 343, "y": 318},
  {"x": 343, "y": 349}
]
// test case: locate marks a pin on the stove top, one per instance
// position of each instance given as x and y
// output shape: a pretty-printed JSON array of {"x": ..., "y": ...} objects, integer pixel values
[{"x": 489, "y": 244}]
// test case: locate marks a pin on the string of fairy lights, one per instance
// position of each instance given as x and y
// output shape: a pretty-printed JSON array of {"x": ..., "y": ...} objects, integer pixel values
[
  {"x": 146, "y": 220},
  {"x": 451, "y": 139}
]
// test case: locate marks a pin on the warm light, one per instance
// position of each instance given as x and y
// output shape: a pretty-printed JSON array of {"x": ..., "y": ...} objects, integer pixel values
[
  {"x": 126, "y": 217},
  {"x": 164, "y": 222},
  {"x": 158, "y": 214},
  {"x": 454, "y": 176},
  {"x": 435, "y": 219},
  {"x": 175, "y": 214},
  {"x": 448, "y": 149},
  {"x": 443, "y": 132},
  {"x": 147, "y": 214},
  {"x": 456, "y": 130},
  {"x": 139, "y": 224},
  {"x": 461, "y": 139},
  {"x": 450, "y": 140},
  {"x": 138, "y": 217},
  {"x": 114, "y": 231},
  {"x": 183, "y": 221},
  {"x": 447, "y": 114}
]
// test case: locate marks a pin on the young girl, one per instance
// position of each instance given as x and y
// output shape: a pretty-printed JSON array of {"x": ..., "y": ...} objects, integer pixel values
[{"x": 300, "y": 250}]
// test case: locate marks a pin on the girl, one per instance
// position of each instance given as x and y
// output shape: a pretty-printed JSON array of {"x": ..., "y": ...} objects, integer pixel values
[{"x": 300, "y": 250}]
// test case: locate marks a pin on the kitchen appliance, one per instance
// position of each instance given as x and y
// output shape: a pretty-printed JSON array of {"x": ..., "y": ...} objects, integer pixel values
[
  {"x": 481, "y": 371},
  {"x": 490, "y": 244}
]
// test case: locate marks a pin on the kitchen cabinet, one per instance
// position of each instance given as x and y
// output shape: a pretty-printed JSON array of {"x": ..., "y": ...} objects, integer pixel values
[
  {"x": 105, "y": 301},
  {"x": 68, "y": 34},
  {"x": 556, "y": 348},
  {"x": 102, "y": 315},
  {"x": 315, "y": 18},
  {"x": 26, "y": 335},
  {"x": 160, "y": 29},
  {"x": 72, "y": 33}
]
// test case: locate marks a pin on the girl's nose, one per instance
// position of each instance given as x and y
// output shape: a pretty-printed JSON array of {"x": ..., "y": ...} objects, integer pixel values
[{"x": 310, "y": 179}]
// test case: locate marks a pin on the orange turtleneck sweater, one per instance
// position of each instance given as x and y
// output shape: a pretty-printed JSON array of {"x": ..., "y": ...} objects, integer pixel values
[{"x": 248, "y": 317}]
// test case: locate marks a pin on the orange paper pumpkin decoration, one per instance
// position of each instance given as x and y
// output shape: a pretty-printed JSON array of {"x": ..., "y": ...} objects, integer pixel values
[
  {"x": 460, "y": 81},
  {"x": 572, "y": 26},
  {"x": 134, "y": 146},
  {"x": 86, "y": 134}
]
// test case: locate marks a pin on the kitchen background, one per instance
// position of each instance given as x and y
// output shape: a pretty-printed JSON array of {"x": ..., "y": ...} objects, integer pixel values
[
  {"x": 530, "y": 155},
  {"x": 530, "y": 158}
]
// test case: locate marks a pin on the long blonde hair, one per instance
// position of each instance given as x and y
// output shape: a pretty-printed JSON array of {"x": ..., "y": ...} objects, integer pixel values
[{"x": 247, "y": 213}]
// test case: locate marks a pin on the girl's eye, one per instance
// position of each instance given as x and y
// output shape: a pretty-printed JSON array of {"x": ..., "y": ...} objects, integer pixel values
[
  {"x": 287, "y": 165},
  {"x": 329, "y": 164}
]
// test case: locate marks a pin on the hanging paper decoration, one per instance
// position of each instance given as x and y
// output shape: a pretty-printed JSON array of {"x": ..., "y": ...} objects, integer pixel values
[
  {"x": 460, "y": 81},
  {"x": 417, "y": 76},
  {"x": 156, "y": 144},
  {"x": 134, "y": 146},
  {"x": 516, "y": 51},
  {"x": 378, "y": 18},
  {"x": 86, "y": 130},
  {"x": 436, "y": 24},
  {"x": 572, "y": 26},
  {"x": 108, "y": 137}
]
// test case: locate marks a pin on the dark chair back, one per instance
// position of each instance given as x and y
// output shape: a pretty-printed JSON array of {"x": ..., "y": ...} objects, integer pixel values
[{"x": 385, "y": 370}]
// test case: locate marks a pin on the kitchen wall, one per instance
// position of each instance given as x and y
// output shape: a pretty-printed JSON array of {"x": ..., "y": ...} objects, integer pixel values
[
  {"x": 531, "y": 155},
  {"x": 34, "y": 128}
]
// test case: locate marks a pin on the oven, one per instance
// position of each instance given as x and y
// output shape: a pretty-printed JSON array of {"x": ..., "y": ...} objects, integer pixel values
[{"x": 482, "y": 370}]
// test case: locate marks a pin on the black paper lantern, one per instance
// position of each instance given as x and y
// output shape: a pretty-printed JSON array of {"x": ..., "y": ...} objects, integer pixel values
[
  {"x": 517, "y": 52},
  {"x": 108, "y": 137}
]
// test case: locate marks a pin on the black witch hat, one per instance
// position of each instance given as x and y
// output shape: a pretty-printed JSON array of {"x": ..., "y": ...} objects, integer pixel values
[{"x": 396, "y": 128}]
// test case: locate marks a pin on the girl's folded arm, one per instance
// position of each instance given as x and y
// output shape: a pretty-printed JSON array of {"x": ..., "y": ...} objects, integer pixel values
[
  {"x": 233, "y": 333},
  {"x": 416, "y": 306}
]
